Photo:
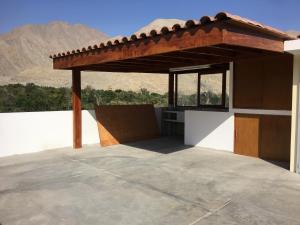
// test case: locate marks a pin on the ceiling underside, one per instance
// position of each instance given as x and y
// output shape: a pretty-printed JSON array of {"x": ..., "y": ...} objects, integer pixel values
[{"x": 162, "y": 63}]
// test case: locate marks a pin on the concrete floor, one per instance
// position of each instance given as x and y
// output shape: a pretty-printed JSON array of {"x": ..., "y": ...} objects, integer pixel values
[{"x": 153, "y": 182}]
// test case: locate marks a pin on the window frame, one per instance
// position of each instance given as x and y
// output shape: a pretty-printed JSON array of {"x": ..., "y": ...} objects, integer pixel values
[{"x": 203, "y": 72}]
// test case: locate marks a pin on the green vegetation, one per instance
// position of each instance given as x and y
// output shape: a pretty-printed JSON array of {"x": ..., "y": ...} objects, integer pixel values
[
  {"x": 31, "y": 97},
  {"x": 206, "y": 98}
]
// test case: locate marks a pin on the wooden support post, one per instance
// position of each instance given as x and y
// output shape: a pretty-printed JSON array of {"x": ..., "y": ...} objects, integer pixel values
[
  {"x": 76, "y": 104},
  {"x": 171, "y": 90}
]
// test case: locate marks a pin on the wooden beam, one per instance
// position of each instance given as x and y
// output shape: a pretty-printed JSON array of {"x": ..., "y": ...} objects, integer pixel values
[
  {"x": 244, "y": 51},
  {"x": 171, "y": 90},
  {"x": 145, "y": 65},
  {"x": 183, "y": 56},
  {"x": 207, "y": 54},
  {"x": 214, "y": 51},
  {"x": 124, "y": 68},
  {"x": 161, "y": 61},
  {"x": 76, "y": 104}
]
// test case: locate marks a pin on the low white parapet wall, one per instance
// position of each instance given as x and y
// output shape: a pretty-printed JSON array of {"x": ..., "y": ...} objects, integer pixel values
[
  {"x": 26, "y": 132},
  {"x": 209, "y": 129}
]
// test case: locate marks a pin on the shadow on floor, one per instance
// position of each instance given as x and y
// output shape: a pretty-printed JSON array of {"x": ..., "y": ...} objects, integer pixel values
[
  {"x": 163, "y": 145},
  {"x": 284, "y": 165}
]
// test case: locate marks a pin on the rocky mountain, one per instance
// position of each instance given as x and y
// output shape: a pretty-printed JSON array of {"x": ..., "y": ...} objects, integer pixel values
[
  {"x": 29, "y": 46},
  {"x": 293, "y": 32},
  {"x": 158, "y": 24},
  {"x": 24, "y": 58}
]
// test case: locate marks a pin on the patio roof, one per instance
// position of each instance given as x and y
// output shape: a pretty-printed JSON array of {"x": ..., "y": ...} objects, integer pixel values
[{"x": 218, "y": 39}]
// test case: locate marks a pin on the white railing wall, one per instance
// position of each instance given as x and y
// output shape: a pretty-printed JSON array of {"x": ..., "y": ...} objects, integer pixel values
[{"x": 27, "y": 132}]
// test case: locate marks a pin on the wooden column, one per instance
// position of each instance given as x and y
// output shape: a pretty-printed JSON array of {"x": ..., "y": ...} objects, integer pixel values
[
  {"x": 171, "y": 90},
  {"x": 76, "y": 104}
]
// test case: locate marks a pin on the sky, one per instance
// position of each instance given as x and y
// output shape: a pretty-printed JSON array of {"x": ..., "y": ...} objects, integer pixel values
[{"x": 125, "y": 17}]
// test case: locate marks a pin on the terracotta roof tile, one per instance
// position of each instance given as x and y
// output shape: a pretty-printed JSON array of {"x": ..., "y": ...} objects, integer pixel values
[
  {"x": 206, "y": 20},
  {"x": 226, "y": 15}
]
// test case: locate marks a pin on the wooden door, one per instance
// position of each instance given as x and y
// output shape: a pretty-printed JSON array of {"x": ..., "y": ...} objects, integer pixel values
[{"x": 246, "y": 140}]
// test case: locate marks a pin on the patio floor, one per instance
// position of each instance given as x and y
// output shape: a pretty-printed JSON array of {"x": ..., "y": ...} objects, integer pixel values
[{"x": 153, "y": 182}]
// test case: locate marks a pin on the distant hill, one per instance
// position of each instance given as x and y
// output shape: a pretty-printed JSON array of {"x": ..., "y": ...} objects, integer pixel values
[
  {"x": 158, "y": 24},
  {"x": 29, "y": 46},
  {"x": 293, "y": 32}
]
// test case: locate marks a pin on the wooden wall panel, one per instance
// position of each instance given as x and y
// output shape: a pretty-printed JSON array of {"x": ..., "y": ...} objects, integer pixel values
[
  {"x": 264, "y": 83},
  {"x": 247, "y": 87},
  {"x": 246, "y": 135},
  {"x": 275, "y": 138},
  {"x": 263, "y": 136},
  {"x": 126, "y": 123},
  {"x": 278, "y": 82}
]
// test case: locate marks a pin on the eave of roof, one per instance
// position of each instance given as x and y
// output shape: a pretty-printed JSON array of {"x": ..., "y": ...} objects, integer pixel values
[{"x": 205, "y": 20}]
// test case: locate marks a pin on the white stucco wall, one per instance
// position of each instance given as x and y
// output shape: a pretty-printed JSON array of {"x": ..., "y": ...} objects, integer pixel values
[
  {"x": 209, "y": 129},
  {"x": 296, "y": 153},
  {"x": 294, "y": 48},
  {"x": 27, "y": 132}
]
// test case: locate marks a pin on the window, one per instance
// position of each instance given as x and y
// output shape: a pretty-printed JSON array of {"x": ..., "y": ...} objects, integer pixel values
[
  {"x": 206, "y": 88},
  {"x": 187, "y": 89},
  {"x": 211, "y": 89}
]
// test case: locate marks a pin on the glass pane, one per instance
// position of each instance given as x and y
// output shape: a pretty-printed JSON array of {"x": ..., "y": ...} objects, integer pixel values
[
  {"x": 227, "y": 88},
  {"x": 211, "y": 89},
  {"x": 187, "y": 89}
]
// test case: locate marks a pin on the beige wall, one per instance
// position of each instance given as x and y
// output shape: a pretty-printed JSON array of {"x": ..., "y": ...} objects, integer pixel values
[
  {"x": 295, "y": 134},
  {"x": 293, "y": 47}
]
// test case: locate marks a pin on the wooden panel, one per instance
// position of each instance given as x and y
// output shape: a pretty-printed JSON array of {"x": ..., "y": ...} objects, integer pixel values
[
  {"x": 246, "y": 141},
  {"x": 247, "y": 87},
  {"x": 263, "y": 136},
  {"x": 275, "y": 138},
  {"x": 264, "y": 83},
  {"x": 76, "y": 105},
  {"x": 126, "y": 123},
  {"x": 242, "y": 37},
  {"x": 278, "y": 81}
]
